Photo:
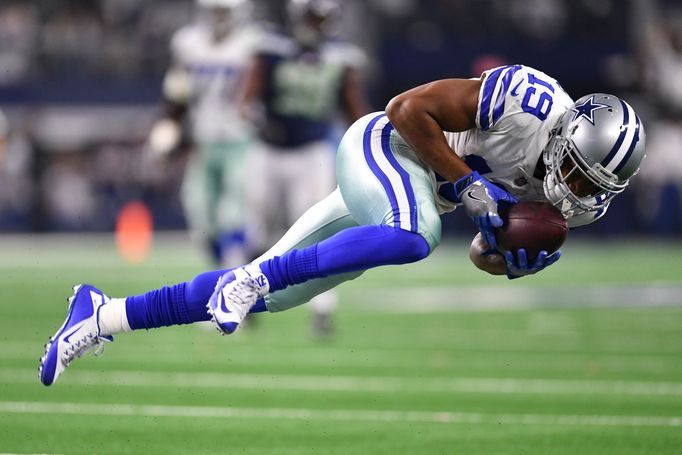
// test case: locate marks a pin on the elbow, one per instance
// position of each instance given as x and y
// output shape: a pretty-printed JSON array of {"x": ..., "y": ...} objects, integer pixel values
[{"x": 398, "y": 109}]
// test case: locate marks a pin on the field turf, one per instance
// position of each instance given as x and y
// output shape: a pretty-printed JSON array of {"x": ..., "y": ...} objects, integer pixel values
[{"x": 432, "y": 358}]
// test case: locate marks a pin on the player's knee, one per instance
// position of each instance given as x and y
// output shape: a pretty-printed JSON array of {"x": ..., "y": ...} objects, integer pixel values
[
  {"x": 432, "y": 238},
  {"x": 430, "y": 227}
]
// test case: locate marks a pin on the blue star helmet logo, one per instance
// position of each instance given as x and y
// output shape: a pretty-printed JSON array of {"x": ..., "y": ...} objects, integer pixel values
[{"x": 586, "y": 110}]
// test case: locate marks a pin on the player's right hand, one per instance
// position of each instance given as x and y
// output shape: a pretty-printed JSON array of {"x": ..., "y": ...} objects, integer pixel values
[
  {"x": 481, "y": 200},
  {"x": 164, "y": 138}
]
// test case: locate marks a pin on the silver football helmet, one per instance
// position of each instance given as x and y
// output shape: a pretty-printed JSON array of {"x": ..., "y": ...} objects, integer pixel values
[
  {"x": 599, "y": 140},
  {"x": 313, "y": 21}
]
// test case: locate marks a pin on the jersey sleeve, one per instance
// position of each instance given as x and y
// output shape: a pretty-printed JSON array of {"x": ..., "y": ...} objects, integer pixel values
[
  {"x": 177, "y": 84},
  {"x": 515, "y": 99},
  {"x": 272, "y": 41},
  {"x": 251, "y": 36},
  {"x": 347, "y": 54},
  {"x": 179, "y": 44}
]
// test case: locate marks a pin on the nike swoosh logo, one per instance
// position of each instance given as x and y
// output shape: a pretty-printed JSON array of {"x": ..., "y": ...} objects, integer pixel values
[
  {"x": 513, "y": 91},
  {"x": 78, "y": 327},
  {"x": 470, "y": 193}
]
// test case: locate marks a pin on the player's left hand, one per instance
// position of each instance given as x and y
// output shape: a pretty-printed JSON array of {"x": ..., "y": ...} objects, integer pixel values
[
  {"x": 518, "y": 266},
  {"x": 481, "y": 200}
]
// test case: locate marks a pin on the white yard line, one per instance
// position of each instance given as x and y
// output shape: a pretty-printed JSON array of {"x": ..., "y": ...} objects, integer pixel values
[
  {"x": 22, "y": 407},
  {"x": 455, "y": 298},
  {"x": 354, "y": 384}
]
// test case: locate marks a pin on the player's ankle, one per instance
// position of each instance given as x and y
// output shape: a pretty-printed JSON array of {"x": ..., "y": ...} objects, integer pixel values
[
  {"x": 259, "y": 277},
  {"x": 113, "y": 318}
]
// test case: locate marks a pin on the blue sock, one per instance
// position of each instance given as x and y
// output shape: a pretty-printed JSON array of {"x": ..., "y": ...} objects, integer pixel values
[
  {"x": 183, "y": 303},
  {"x": 353, "y": 249}
]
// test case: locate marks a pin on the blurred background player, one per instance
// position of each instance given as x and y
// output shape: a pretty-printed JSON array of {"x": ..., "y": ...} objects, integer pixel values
[
  {"x": 301, "y": 77},
  {"x": 209, "y": 60},
  {"x": 661, "y": 67}
]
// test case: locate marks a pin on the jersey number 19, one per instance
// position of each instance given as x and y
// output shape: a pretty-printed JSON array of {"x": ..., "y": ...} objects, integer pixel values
[{"x": 538, "y": 98}]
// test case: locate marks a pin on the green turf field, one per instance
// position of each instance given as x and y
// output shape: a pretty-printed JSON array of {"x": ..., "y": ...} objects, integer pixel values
[{"x": 433, "y": 358}]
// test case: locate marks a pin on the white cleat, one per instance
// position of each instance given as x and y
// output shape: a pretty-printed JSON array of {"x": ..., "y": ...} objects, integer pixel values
[
  {"x": 79, "y": 333},
  {"x": 234, "y": 295}
]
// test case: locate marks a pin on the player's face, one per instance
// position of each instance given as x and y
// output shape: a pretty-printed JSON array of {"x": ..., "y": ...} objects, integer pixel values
[
  {"x": 220, "y": 20},
  {"x": 579, "y": 183},
  {"x": 315, "y": 21},
  {"x": 310, "y": 31}
]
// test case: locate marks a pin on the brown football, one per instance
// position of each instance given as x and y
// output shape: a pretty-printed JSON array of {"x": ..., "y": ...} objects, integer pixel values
[{"x": 535, "y": 226}]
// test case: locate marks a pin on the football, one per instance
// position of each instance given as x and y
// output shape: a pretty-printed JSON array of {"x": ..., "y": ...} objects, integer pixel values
[{"x": 535, "y": 226}]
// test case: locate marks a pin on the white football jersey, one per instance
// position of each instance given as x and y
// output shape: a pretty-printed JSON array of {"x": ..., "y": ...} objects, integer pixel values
[
  {"x": 211, "y": 73},
  {"x": 518, "y": 107}
]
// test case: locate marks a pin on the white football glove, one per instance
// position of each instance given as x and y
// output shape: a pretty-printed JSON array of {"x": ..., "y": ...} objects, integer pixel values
[{"x": 164, "y": 137}]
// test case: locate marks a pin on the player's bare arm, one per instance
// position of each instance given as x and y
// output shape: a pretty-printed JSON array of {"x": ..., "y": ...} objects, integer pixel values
[
  {"x": 177, "y": 91},
  {"x": 421, "y": 115},
  {"x": 352, "y": 98},
  {"x": 166, "y": 135},
  {"x": 252, "y": 90}
]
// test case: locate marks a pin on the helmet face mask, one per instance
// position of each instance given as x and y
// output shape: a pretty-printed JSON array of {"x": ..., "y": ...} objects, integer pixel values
[
  {"x": 595, "y": 148},
  {"x": 564, "y": 169}
]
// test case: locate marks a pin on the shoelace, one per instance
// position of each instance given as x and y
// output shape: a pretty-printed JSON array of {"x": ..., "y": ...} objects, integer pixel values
[
  {"x": 241, "y": 295},
  {"x": 83, "y": 345}
]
